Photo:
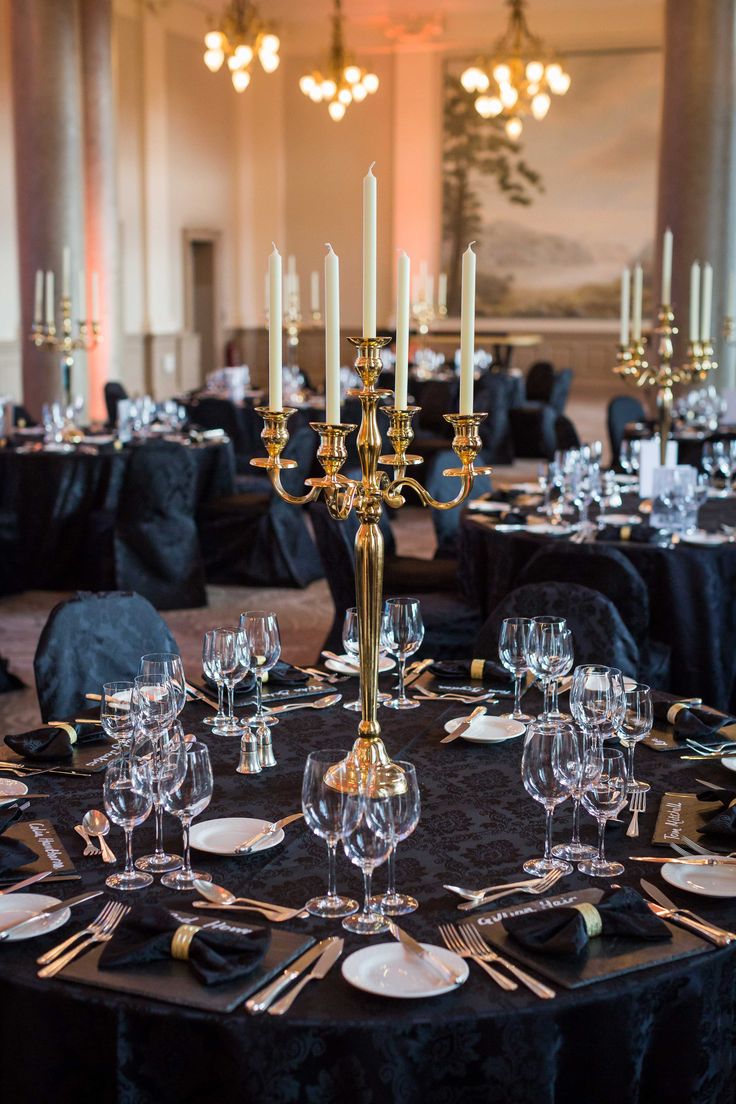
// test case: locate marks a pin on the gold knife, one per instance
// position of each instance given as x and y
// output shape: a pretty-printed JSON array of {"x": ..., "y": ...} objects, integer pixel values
[
  {"x": 202, "y": 697},
  {"x": 417, "y": 949},
  {"x": 694, "y": 861},
  {"x": 418, "y": 670},
  {"x": 246, "y": 847},
  {"x": 464, "y": 725},
  {"x": 321, "y": 968},
  {"x": 668, "y": 910},
  {"x": 260, "y": 1001}
]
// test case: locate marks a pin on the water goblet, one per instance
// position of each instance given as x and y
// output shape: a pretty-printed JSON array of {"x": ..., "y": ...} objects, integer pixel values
[
  {"x": 394, "y": 816},
  {"x": 116, "y": 714},
  {"x": 603, "y": 799},
  {"x": 546, "y": 743},
  {"x": 232, "y": 662},
  {"x": 211, "y": 670},
  {"x": 547, "y": 657},
  {"x": 596, "y": 698},
  {"x": 128, "y": 799},
  {"x": 580, "y": 771},
  {"x": 186, "y": 801},
  {"x": 167, "y": 665},
  {"x": 366, "y": 849},
  {"x": 513, "y": 651},
  {"x": 162, "y": 757},
  {"x": 264, "y": 647},
  {"x": 153, "y": 702},
  {"x": 325, "y": 814},
  {"x": 564, "y": 666},
  {"x": 402, "y": 631},
  {"x": 351, "y": 644},
  {"x": 635, "y": 725}
]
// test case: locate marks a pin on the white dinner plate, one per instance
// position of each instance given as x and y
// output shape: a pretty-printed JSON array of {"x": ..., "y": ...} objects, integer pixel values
[
  {"x": 488, "y": 730},
  {"x": 706, "y": 881},
  {"x": 626, "y": 480},
  {"x": 389, "y": 970},
  {"x": 485, "y": 507},
  {"x": 222, "y": 836},
  {"x": 98, "y": 439},
  {"x": 704, "y": 539},
  {"x": 10, "y": 789},
  {"x": 620, "y": 519},
  {"x": 729, "y": 762},
  {"x": 547, "y": 529},
  {"x": 347, "y": 666},
  {"x": 57, "y": 447},
  {"x": 526, "y": 488},
  {"x": 15, "y": 907},
  {"x": 28, "y": 431}
]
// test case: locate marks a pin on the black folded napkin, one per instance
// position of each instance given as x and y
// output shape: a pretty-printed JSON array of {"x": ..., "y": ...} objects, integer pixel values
[
  {"x": 485, "y": 669},
  {"x": 52, "y": 742},
  {"x": 723, "y": 822},
  {"x": 689, "y": 721},
  {"x": 637, "y": 534},
  {"x": 282, "y": 674},
  {"x": 512, "y": 517},
  {"x": 620, "y": 912},
  {"x": 216, "y": 954},
  {"x": 14, "y": 854}
]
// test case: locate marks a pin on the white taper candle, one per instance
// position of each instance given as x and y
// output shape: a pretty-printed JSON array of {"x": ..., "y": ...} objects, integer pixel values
[
  {"x": 625, "y": 307},
  {"x": 467, "y": 332},
  {"x": 332, "y": 336},
  {"x": 706, "y": 310},
  {"x": 636, "y": 306},
  {"x": 369, "y": 253},
  {"x": 694, "y": 319},
  {"x": 275, "y": 322},
  {"x": 402, "y": 332},
  {"x": 667, "y": 268}
]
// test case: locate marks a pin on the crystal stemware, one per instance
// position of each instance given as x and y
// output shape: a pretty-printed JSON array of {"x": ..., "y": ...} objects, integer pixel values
[
  {"x": 581, "y": 770},
  {"x": 366, "y": 849},
  {"x": 351, "y": 644},
  {"x": 116, "y": 715},
  {"x": 186, "y": 801},
  {"x": 211, "y": 670},
  {"x": 158, "y": 665},
  {"x": 597, "y": 698},
  {"x": 402, "y": 631},
  {"x": 162, "y": 756},
  {"x": 394, "y": 816},
  {"x": 128, "y": 799},
  {"x": 153, "y": 702},
  {"x": 324, "y": 809},
  {"x": 232, "y": 661},
  {"x": 565, "y": 660},
  {"x": 635, "y": 725},
  {"x": 513, "y": 651},
  {"x": 603, "y": 799},
  {"x": 263, "y": 640},
  {"x": 547, "y": 658},
  {"x": 546, "y": 744}
]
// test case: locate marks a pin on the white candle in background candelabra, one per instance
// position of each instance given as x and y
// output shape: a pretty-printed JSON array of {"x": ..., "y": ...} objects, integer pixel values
[
  {"x": 275, "y": 321},
  {"x": 667, "y": 268},
  {"x": 66, "y": 272},
  {"x": 332, "y": 336},
  {"x": 95, "y": 297},
  {"x": 423, "y": 281},
  {"x": 369, "y": 253},
  {"x": 82, "y": 304},
  {"x": 402, "y": 333},
  {"x": 49, "y": 298},
  {"x": 442, "y": 291},
  {"x": 694, "y": 301},
  {"x": 637, "y": 303},
  {"x": 467, "y": 331},
  {"x": 314, "y": 284},
  {"x": 731, "y": 296},
  {"x": 625, "y": 306},
  {"x": 291, "y": 265},
  {"x": 38, "y": 298},
  {"x": 415, "y": 289},
  {"x": 706, "y": 310},
  {"x": 429, "y": 289}
]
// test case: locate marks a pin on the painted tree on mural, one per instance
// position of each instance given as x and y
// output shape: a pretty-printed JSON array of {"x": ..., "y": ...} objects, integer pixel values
[{"x": 475, "y": 148}]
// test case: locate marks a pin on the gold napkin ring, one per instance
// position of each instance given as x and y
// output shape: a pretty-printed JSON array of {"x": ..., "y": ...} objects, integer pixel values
[
  {"x": 591, "y": 918},
  {"x": 625, "y": 533},
  {"x": 674, "y": 710},
  {"x": 69, "y": 729},
  {"x": 477, "y": 667},
  {"x": 181, "y": 940}
]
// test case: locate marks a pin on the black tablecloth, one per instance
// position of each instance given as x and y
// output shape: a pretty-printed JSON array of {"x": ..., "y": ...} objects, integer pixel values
[
  {"x": 64, "y": 505},
  {"x": 664, "y": 1034},
  {"x": 692, "y": 593}
]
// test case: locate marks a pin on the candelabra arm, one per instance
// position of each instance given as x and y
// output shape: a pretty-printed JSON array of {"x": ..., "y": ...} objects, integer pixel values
[
  {"x": 275, "y": 436},
  {"x": 466, "y": 444},
  {"x": 392, "y": 498},
  {"x": 274, "y": 474}
]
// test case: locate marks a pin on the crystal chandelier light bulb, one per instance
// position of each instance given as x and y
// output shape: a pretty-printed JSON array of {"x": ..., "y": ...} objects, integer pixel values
[
  {"x": 534, "y": 71},
  {"x": 241, "y": 80},
  {"x": 306, "y": 84},
  {"x": 540, "y": 105},
  {"x": 269, "y": 62},
  {"x": 233, "y": 63},
  {"x": 244, "y": 54},
  {"x": 513, "y": 128},
  {"x": 508, "y": 95},
  {"x": 501, "y": 73},
  {"x": 329, "y": 88},
  {"x": 270, "y": 43},
  {"x": 316, "y": 94},
  {"x": 352, "y": 74},
  {"x": 553, "y": 71},
  {"x": 345, "y": 96},
  {"x": 483, "y": 106},
  {"x": 214, "y": 59},
  {"x": 214, "y": 40},
  {"x": 561, "y": 84},
  {"x": 470, "y": 79},
  {"x": 359, "y": 93},
  {"x": 370, "y": 82},
  {"x": 336, "y": 110}
]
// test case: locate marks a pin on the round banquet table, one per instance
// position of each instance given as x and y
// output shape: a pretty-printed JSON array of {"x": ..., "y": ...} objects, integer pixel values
[
  {"x": 662, "y": 1034},
  {"x": 692, "y": 592},
  {"x": 62, "y": 507}
]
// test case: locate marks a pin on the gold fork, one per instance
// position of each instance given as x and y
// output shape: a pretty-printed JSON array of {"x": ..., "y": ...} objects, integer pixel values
[{"x": 453, "y": 942}]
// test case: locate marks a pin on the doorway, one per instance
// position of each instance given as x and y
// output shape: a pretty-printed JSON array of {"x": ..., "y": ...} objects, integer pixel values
[{"x": 202, "y": 297}]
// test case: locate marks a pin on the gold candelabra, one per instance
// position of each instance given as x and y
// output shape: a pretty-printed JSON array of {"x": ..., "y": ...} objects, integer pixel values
[
  {"x": 367, "y": 496},
  {"x": 632, "y": 365},
  {"x": 87, "y": 338}
]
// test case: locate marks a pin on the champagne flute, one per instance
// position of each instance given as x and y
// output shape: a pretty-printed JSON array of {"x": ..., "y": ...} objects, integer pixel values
[
  {"x": 546, "y": 744},
  {"x": 325, "y": 813},
  {"x": 211, "y": 670},
  {"x": 402, "y": 630},
  {"x": 232, "y": 661},
  {"x": 635, "y": 725},
  {"x": 264, "y": 646},
  {"x": 116, "y": 715},
  {"x": 162, "y": 756},
  {"x": 603, "y": 799},
  {"x": 394, "y": 816},
  {"x": 186, "y": 800},
  {"x": 128, "y": 799},
  {"x": 513, "y": 651},
  {"x": 366, "y": 849}
]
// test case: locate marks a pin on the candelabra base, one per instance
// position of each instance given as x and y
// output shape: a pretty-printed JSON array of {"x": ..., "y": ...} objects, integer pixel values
[{"x": 351, "y": 775}]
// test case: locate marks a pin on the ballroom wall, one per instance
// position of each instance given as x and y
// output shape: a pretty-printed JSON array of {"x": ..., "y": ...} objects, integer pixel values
[{"x": 192, "y": 156}]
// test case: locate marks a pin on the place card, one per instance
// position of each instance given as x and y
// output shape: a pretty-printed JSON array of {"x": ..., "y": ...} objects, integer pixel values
[
  {"x": 43, "y": 839},
  {"x": 681, "y": 814},
  {"x": 90, "y": 757}
]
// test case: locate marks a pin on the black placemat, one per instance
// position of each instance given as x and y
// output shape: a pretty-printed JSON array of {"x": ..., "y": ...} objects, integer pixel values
[
  {"x": 173, "y": 982},
  {"x": 681, "y": 814},
  {"x": 601, "y": 960},
  {"x": 41, "y": 837},
  {"x": 90, "y": 757}
]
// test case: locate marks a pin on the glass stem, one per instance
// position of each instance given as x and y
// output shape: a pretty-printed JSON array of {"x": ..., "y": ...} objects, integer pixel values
[
  {"x": 630, "y": 764},
  {"x": 220, "y": 695},
  {"x": 129, "y": 869},
  {"x": 517, "y": 693},
  {"x": 402, "y": 669},
  {"x": 576, "y": 822},
  {"x": 186, "y": 823},
  {"x": 547, "y": 696},
  {"x": 550, "y": 812},
  {"x": 391, "y": 889},
  {"x": 158, "y": 813},
  {"x": 602, "y": 840},
  {"x": 259, "y": 697},
  {"x": 332, "y": 868},
  {"x": 367, "y": 877},
  {"x": 554, "y": 690},
  {"x": 231, "y": 702}
]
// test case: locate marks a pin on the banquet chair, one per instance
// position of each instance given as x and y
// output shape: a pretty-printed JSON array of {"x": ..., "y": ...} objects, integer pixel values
[
  {"x": 449, "y": 623},
  {"x": 432, "y": 433},
  {"x": 156, "y": 545},
  {"x": 495, "y": 394},
  {"x": 566, "y": 435},
  {"x": 91, "y": 639},
  {"x": 447, "y": 522},
  {"x": 621, "y": 410},
  {"x": 114, "y": 392},
  {"x": 598, "y": 631},
  {"x": 241, "y": 423}
]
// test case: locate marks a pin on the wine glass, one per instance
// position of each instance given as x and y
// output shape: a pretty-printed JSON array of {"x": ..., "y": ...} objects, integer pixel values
[
  {"x": 264, "y": 645},
  {"x": 116, "y": 715},
  {"x": 596, "y": 698},
  {"x": 546, "y": 653},
  {"x": 187, "y": 800},
  {"x": 605, "y": 798},
  {"x": 394, "y": 816},
  {"x": 513, "y": 651},
  {"x": 581, "y": 770},
  {"x": 564, "y": 667},
  {"x": 546, "y": 744},
  {"x": 324, "y": 811},
  {"x": 402, "y": 630},
  {"x": 366, "y": 849},
  {"x": 232, "y": 662},
  {"x": 635, "y": 725},
  {"x": 153, "y": 701},
  {"x": 167, "y": 665},
  {"x": 351, "y": 644},
  {"x": 163, "y": 758},
  {"x": 128, "y": 799},
  {"x": 211, "y": 670}
]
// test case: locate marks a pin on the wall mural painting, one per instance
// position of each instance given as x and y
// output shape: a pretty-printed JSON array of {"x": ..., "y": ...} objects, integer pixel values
[{"x": 557, "y": 215}]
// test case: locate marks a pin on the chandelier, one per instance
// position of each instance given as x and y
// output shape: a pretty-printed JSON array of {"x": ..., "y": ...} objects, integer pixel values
[
  {"x": 343, "y": 82},
  {"x": 239, "y": 36},
  {"x": 518, "y": 78}
]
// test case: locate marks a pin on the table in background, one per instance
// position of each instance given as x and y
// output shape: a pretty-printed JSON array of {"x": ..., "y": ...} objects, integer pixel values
[
  {"x": 665, "y": 1033},
  {"x": 692, "y": 592},
  {"x": 502, "y": 344}
]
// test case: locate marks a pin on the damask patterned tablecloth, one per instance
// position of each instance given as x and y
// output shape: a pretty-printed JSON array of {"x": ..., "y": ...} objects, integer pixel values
[{"x": 664, "y": 1034}]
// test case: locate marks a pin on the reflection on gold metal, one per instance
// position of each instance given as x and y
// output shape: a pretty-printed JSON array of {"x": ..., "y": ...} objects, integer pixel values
[
  {"x": 367, "y": 496},
  {"x": 88, "y": 337}
]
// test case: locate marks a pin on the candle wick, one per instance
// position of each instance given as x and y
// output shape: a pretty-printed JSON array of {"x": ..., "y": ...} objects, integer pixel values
[
  {"x": 370, "y": 168},
  {"x": 273, "y": 243},
  {"x": 329, "y": 247}
]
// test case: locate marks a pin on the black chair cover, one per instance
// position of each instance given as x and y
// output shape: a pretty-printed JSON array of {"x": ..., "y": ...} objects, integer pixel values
[
  {"x": 533, "y": 431},
  {"x": 114, "y": 392},
  {"x": 539, "y": 381},
  {"x": 21, "y": 417},
  {"x": 8, "y": 681},
  {"x": 156, "y": 544},
  {"x": 241, "y": 423},
  {"x": 92, "y": 639},
  {"x": 561, "y": 389},
  {"x": 495, "y": 394},
  {"x": 566, "y": 435},
  {"x": 622, "y": 410},
  {"x": 598, "y": 632},
  {"x": 447, "y": 522}
]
